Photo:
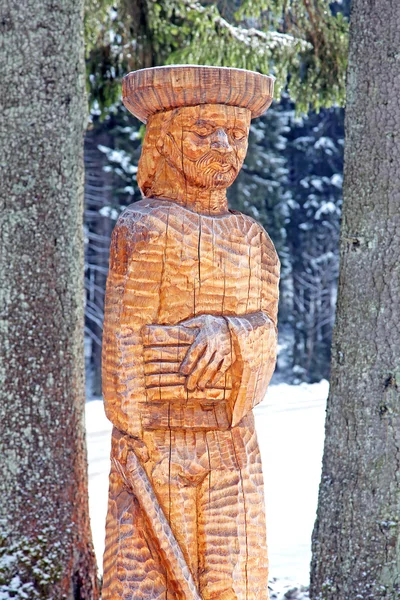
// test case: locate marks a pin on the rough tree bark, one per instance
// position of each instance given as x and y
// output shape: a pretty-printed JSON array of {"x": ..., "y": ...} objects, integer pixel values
[
  {"x": 45, "y": 541},
  {"x": 356, "y": 540}
]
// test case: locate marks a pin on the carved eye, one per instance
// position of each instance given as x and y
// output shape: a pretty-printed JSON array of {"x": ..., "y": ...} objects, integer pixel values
[
  {"x": 202, "y": 131},
  {"x": 202, "y": 128},
  {"x": 238, "y": 134}
]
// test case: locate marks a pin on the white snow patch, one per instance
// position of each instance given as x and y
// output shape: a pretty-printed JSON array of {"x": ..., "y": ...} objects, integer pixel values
[
  {"x": 337, "y": 180},
  {"x": 317, "y": 183},
  {"x": 290, "y": 429},
  {"x": 325, "y": 209},
  {"x": 98, "y": 429},
  {"x": 120, "y": 157},
  {"x": 108, "y": 211},
  {"x": 325, "y": 143}
]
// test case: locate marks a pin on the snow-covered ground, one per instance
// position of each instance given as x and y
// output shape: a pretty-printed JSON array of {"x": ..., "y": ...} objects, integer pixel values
[{"x": 290, "y": 426}]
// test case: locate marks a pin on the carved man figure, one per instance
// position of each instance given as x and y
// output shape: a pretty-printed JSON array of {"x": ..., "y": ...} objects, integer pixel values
[{"x": 189, "y": 348}]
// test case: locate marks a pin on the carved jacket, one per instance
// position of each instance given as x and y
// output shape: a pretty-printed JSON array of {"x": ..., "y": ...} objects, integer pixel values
[{"x": 168, "y": 264}]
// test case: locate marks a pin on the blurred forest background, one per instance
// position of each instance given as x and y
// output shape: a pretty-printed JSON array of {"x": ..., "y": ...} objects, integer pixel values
[{"x": 292, "y": 177}]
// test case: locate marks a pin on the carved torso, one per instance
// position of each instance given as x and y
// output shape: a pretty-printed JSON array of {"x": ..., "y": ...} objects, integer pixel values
[{"x": 178, "y": 264}]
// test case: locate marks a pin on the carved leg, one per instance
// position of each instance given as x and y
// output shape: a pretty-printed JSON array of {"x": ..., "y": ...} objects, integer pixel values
[
  {"x": 221, "y": 535},
  {"x": 210, "y": 487},
  {"x": 249, "y": 460},
  {"x": 181, "y": 466},
  {"x": 233, "y": 553},
  {"x": 132, "y": 568}
]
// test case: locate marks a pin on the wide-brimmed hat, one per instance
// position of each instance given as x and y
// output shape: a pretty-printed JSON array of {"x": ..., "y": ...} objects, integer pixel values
[{"x": 148, "y": 91}]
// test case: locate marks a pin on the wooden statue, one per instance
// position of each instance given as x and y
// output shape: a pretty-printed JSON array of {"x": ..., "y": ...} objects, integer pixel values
[{"x": 189, "y": 348}]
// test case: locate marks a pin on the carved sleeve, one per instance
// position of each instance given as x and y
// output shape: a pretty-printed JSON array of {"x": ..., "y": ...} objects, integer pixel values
[
  {"x": 254, "y": 338},
  {"x": 132, "y": 297}
]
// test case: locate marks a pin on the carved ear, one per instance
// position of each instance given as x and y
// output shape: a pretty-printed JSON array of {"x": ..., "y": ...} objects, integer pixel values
[
  {"x": 166, "y": 145},
  {"x": 160, "y": 144},
  {"x": 170, "y": 150},
  {"x": 165, "y": 140}
]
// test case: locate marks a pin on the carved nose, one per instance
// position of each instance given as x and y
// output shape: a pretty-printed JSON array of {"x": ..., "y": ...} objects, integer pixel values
[{"x": 220, "y": 141}]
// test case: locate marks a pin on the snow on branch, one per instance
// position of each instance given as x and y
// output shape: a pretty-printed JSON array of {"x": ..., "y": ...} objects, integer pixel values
[{"x": 272, "y": 39}]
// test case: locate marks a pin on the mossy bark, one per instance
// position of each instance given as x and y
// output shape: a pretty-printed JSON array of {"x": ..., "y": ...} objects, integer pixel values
[
  {"x": 356, "y": 540},
  {"x": 45, "y": 535}
]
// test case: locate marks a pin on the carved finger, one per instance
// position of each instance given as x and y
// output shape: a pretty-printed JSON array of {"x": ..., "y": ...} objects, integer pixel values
[
  {"x": 194, "y": 322},
  {"x": 195, "y": 352},
  {"x": 192, "y": 380},
  {"x": 210, "y": 371},
  {"x": 222, "y": 369}
]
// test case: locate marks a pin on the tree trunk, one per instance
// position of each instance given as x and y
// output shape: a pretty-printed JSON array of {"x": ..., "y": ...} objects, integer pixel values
[
  {"x": 45, "y": 541},
  {"x": 356, "y": 540}
]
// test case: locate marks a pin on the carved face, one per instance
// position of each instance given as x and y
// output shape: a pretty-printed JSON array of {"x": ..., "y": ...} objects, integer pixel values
[{"x": 207, "y": 144}]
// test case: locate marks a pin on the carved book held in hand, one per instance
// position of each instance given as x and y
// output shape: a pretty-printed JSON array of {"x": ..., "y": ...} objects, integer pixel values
[{"x": 189, "y": 348}]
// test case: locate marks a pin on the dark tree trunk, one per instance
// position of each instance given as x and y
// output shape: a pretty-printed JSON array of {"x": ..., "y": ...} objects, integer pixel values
[
  {"x": 356, "y": 540},
  {"x": 45, "y": 542}
]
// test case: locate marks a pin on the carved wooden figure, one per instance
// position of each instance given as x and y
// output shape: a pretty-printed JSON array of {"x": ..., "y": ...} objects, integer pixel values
[{"x": 189, "y": 348}]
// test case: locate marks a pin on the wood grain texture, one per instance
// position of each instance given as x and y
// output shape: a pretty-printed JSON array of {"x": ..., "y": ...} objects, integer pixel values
[
  {"x": 189, "y": 349},
  {"x": 148, "y": 91}
]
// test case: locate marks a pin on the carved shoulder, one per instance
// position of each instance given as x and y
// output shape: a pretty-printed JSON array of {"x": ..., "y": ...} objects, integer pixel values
[
  {"x": 270, "y": 266},
  {"x": 137, "y": 229},
  {"x": 269, "y": 254}
]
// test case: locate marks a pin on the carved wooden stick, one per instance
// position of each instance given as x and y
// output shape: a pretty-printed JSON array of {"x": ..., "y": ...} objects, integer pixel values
[{"x": 136, "y": 478}]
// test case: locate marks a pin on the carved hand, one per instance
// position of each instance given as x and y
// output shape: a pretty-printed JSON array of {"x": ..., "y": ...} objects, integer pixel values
[{"x": 210, "y": 355}]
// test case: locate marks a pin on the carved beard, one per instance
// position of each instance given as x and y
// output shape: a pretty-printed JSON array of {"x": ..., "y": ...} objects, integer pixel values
[{"x": 212, "y": 170}]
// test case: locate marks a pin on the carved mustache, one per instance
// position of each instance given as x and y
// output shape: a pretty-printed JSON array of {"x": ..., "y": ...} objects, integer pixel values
[{"x": 217, "y": 161}]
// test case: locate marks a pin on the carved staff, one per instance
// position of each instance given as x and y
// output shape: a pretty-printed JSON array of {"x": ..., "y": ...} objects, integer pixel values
[{"x": 136, "y": 478}]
